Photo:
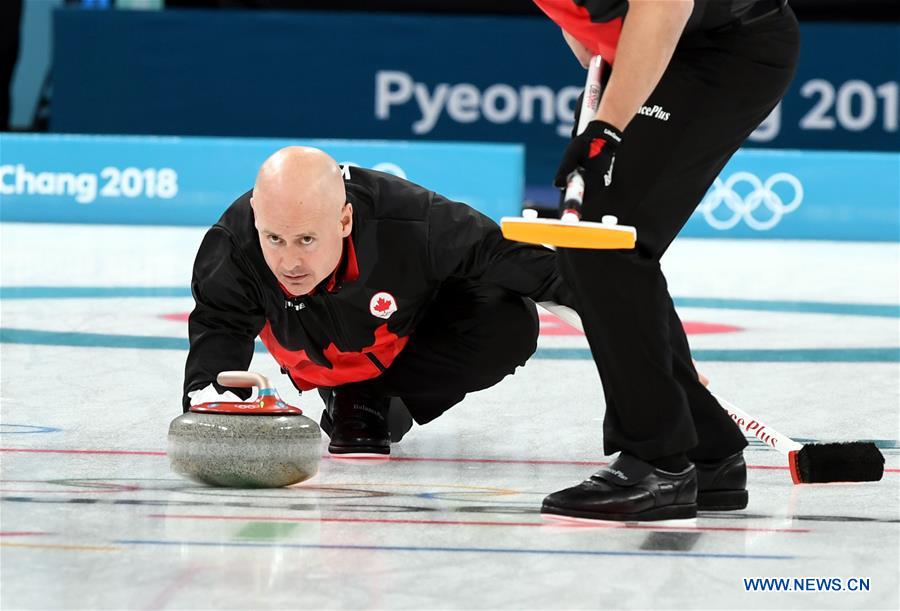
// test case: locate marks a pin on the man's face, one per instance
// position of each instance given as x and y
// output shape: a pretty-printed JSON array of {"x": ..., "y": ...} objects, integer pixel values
[{"x": 302, "y": 244}]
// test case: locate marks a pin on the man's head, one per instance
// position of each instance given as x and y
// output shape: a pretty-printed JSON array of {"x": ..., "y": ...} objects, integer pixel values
[{"x": 302, "y": 216}]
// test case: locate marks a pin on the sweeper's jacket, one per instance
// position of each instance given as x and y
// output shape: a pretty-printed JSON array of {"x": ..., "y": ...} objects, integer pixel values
[
  {"x": 406, "y": 243},
  {"x": 597, "y": 24}
]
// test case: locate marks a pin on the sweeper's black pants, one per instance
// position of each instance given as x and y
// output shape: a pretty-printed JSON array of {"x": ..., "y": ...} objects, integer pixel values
[
  {"x": 718, "y": 88},
  {"x": 472, "y": 336}
]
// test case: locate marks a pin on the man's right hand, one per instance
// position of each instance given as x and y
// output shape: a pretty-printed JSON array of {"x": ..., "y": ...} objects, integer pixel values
[{"x": 211, "y": 395}]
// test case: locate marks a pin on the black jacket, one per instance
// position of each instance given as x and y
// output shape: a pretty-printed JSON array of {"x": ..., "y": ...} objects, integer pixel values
[{"x": 405, "y": 243}]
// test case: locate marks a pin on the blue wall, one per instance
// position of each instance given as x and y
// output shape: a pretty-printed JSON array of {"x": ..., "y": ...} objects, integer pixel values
[
  {"x": 803, "y": 194},
  {"x": 190, "y": 181},
  {"x": 356, "y": 75}
]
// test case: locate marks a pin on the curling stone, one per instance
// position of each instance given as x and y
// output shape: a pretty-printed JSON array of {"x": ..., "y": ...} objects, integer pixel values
[{"x": 254, "y": 444}]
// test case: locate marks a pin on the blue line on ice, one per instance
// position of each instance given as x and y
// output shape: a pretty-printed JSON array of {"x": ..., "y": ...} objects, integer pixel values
[
  {"x": 800, "y": 307},
  {"x": 39, "y": 337},
  {"x": 470, "y": 550}
]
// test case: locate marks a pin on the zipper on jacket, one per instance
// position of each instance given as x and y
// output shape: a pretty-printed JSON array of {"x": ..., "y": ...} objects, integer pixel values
[
  {"x": 376, "y": 362},
  {"x": 336, "y": 322}
]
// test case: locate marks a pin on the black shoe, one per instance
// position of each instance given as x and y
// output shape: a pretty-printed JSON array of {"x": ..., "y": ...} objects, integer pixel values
[
  {"x": 722, "y": 484},
  {"x": 628, "y": 489},
  {"x": 400, "y": 421},
  {"x": 358, "y": 427}
]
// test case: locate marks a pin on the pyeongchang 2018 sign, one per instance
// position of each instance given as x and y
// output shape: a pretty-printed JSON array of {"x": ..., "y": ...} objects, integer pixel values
[
  {"x": 413, "y": 77},
  {"x": 191, "y": 181}
]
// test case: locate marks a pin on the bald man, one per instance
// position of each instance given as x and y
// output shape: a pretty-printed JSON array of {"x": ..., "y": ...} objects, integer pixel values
[{"x": 388, "y": 298}]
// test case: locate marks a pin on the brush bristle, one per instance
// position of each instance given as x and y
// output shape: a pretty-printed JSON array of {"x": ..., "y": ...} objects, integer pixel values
[{"x": 855, "y": 461}]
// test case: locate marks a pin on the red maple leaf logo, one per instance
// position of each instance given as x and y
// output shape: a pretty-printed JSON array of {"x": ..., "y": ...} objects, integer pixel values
[{"x": 383, "y": 305}]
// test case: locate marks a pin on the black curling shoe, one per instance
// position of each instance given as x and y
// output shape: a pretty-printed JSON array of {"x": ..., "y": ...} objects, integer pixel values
[
  {"x": 626, "y": 490},
  {"x": 357, "y": 427},
  {"x": 722, "y": 484}
]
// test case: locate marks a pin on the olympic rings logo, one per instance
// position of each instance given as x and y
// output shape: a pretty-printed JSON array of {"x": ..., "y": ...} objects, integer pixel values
[{"x": 761, "y": 208}]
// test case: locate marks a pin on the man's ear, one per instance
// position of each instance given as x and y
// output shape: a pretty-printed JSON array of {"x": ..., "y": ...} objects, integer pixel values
[{"x": 346, "y": 220}]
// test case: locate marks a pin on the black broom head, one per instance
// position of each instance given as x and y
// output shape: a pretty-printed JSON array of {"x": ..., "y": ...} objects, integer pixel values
[{"x": 854, "y": 461}]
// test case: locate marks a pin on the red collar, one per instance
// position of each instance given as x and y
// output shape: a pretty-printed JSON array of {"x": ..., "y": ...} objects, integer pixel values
[{"x": 347, "y": 270}]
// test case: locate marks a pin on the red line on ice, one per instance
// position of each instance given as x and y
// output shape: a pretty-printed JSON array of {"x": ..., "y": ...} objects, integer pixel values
[
  {"x": 184, "y": 577},
  {"x": 502, "y": 461},
  {"x": 551, "y": 325}
]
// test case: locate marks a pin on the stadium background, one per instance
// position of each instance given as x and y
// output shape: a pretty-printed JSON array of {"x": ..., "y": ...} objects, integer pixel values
[{"x": 411, "y": 74}]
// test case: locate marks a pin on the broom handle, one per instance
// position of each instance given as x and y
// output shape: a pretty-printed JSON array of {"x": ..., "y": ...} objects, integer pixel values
[
  {"x": 763, "y": 432},
  {"x": 590, "y": 102},
  {"x": 747, "y": 423}
]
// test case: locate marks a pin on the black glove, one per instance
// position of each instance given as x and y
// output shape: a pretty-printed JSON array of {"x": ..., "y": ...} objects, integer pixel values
[{"x": 594, "y": 150}]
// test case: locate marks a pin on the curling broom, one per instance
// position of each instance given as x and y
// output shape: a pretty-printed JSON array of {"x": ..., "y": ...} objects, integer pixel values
[
  {"x": 810, "y": 463},
  {"x": 570, "y": 231}
]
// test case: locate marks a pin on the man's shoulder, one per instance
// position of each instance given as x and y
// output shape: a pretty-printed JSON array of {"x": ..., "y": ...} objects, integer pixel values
[
  {"x": 230, "y": 247},
  {"x": 237, "y": 220},
  {"x": 384, "y": 196}
]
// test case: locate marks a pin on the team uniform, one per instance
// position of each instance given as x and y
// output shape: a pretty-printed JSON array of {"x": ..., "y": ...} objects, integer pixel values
[
  {"x": 428, "y": 303},
  {"x": 731, "y": 67}
]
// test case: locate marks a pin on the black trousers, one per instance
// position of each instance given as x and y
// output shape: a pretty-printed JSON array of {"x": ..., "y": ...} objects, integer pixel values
[
  {"x": 717, "y": 89},
  {"x": 472, "y": 336}
]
